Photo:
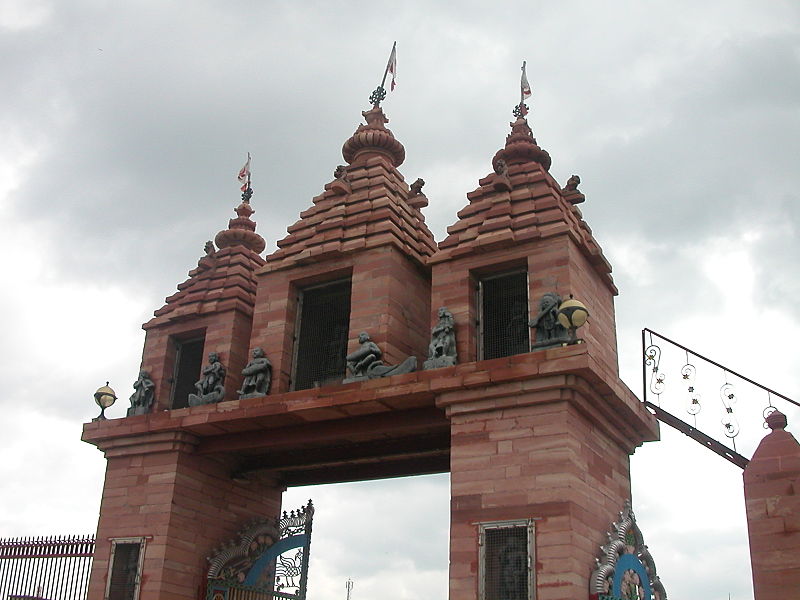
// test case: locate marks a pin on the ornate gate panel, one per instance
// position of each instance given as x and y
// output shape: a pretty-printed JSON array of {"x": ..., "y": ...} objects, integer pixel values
[{"x": 269, "y": 560}]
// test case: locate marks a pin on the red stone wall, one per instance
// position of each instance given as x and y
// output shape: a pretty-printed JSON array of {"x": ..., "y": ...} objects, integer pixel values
[
  {"x": 390, "y": 299},
  {"x": 226, "y": 333},
  {"x": 553, "y": 264},
  {"x": 772, "y": 500},
  {"x": 534, "y": 456},
  {"x": 183, "y": 503}
]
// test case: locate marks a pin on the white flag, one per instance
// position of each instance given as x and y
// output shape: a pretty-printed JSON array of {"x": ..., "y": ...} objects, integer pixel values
[
  {"x": 525, "y": 87},
  {"x": 244, "y": 174}
]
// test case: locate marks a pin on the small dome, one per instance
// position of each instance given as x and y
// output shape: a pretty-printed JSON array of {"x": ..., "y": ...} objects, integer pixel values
[
  {"x": 374, "y": 138},
  {"x": 521, "y": 147}
]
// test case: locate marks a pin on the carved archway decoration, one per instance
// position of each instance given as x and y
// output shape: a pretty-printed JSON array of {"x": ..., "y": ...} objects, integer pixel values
[{"x": 626, "y": 570}]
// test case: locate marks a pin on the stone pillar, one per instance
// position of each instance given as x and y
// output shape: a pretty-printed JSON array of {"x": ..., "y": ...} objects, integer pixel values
[
  {"x": 772, "y": 499},
  {"x": 553, "y": 447},
  {"x": 182, "y": 503}
]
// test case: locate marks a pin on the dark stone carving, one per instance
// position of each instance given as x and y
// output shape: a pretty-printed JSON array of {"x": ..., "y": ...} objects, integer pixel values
[
  {"x": 442, "y": 349},
  {"x": 571, "y": 192},
  {"x": 549, "y": 332},
  {"x": 340, "y": 184},
  {"x": 143, "y": 395},
  {"x": 211, "y": 387},
  {"x": 365, "y": 362},
  {"x": 501, "y": 181},
  {"x": 257, "y": 376},
  {"x": 209, "y": 248},
  {"x": 416, "y": 198}
]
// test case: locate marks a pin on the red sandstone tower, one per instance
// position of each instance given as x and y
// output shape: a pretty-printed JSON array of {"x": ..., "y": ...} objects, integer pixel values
[{"x": 537, "y": 442}]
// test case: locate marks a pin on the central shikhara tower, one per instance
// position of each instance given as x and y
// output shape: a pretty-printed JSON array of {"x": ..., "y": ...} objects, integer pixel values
[{"x": 536, "y": 436}]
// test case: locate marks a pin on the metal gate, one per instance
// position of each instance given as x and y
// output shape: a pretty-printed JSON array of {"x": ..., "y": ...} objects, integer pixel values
[{"x": 268, "y": 560}]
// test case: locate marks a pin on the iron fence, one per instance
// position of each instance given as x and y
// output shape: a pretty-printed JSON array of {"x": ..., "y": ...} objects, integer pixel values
[{"x": 45, "y": 568}]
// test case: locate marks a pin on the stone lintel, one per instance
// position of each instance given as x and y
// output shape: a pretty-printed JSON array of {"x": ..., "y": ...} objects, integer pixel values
[{"x": 474, "y": 386}]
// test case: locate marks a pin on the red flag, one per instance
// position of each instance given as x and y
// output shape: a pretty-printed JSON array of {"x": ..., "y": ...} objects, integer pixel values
[
  {"x": 244, "y": 174},
  {"x": 391, "y": 67},
  {"x": 525, "y": 87}
]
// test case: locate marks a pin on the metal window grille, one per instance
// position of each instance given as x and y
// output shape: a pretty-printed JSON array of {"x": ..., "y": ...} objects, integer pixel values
[
  {"x": 323, "y": 329},
  {"x": 503, "y": 324},
  {"x": 46, "y": 567},
  {"x": 188, "y": 363},
  {"x": 125, "y": 569},
  {"x": 506, "y": 560}
]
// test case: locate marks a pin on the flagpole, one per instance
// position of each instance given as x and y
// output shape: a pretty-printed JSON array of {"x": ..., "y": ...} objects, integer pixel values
[
  {"x": 380, "y": 92},
  {"x": 386, "y": 71}
]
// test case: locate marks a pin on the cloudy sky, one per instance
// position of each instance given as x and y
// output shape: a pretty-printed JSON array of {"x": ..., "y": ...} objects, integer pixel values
[{"x": 124, "y": 124}]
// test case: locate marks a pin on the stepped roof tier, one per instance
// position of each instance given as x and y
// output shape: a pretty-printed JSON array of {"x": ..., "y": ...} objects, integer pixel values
[
  {"x": 519, "y": 202},
  {"x": 368, "y": 204},
  {"x": 224, "y": 278}
]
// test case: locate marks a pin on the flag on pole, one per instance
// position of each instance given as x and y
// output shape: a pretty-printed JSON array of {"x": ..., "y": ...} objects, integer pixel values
[
  {"x": 391, "y": 66},
  {"x": 244, "y": 174},
  {"x": 525, "y": 87}
]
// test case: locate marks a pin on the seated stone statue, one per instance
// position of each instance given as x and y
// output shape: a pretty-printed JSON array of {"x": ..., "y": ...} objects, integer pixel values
[
  {"x": 257, "y": 376},
  {"x": 365, "y": 362},
  {"x": 549, "y": 332},
  {"x": 211, "y": 387},
  {"x": 442, "y": 349},
  {"x": 143, "y": 395},
  {"x": 366, "y": 355}
]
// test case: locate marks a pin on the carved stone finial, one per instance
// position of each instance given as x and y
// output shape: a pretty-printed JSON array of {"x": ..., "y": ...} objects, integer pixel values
[
  {"x": 776, "y": 420},
  {"x": 257, "y": 376},
  {"x": 242, "y": 229},
  {"x": 143, "y": 395},
  {"x": 211, "y": 386},
  {"x": 521, "y": 147},
  {"x": 374, "y": 138}
]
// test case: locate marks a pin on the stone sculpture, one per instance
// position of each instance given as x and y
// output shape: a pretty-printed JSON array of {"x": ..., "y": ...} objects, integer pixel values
[
  {"x": 365, "y": 362},
  {"x": 341, "y": 183},
  {"x": 549, "y": 332},
  {"x": 501, "y": 181},
  {"x": 143, "y": 395},
  {"x": 257, "y": 376},
  {"x": 416, "y": 187},
  {"x": 442, "y": 349},
  {"x": 572, "y": 184},
  {"x": 211, "y": 387}
]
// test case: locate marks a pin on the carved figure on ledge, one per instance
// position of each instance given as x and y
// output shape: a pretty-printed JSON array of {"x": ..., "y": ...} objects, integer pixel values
[
  {"x": 211, "y": 387},
  {"x": 442, "y": 349},
  {"x": 365, "y": 362},
  {"x": 341, "y": 183},
  {"x": 143, "y": 395},
  {"x": 257, "y": 376},
  {"x": 549, "y": 332},
  {"x": 501, "y": 181}
]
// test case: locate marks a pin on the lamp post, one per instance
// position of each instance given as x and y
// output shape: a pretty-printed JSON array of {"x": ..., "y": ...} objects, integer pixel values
[
  {"x": 572, "y": 314},
  {"x": 104, "y": 397}
]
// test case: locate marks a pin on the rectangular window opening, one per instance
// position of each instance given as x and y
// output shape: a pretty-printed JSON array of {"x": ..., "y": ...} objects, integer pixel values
[
  {"x": 503, "y": 315},
  {"x": 322, "y": 331},
  {"x": 506, "y": 560},
  {"x": 188, "y": 363},
  {"x": 124, "y": 569}
]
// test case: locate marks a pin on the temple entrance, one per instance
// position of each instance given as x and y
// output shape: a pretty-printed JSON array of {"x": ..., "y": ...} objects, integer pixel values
[{"x": 356, "y": 536}]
